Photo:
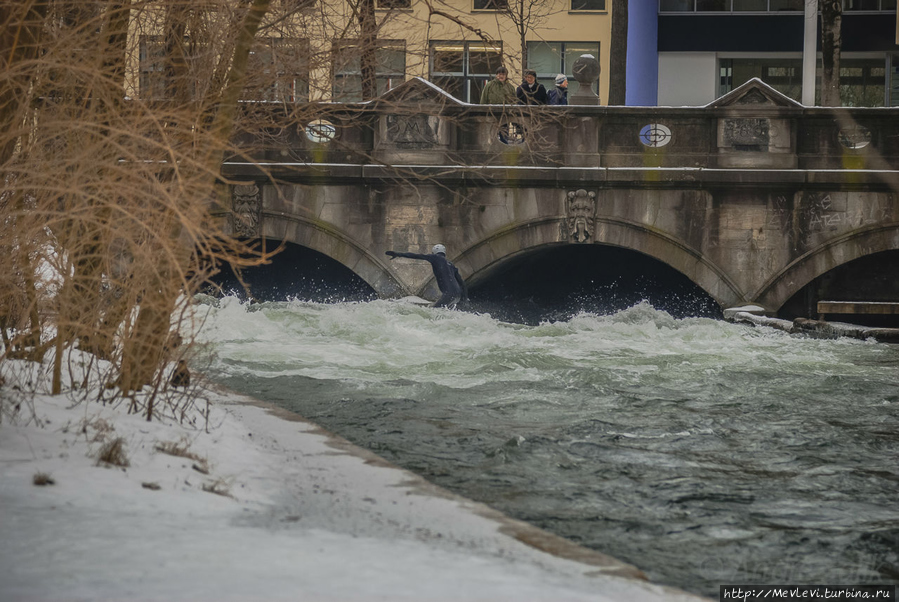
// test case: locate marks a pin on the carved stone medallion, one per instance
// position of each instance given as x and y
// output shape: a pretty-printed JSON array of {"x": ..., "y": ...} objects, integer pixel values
[
  {"x": 581, "y": 215},
  {"x": 246, "y": 202}
]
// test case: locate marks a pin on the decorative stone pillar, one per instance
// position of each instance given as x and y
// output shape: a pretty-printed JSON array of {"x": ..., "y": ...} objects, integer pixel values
[{"x": 586, "y": 70}]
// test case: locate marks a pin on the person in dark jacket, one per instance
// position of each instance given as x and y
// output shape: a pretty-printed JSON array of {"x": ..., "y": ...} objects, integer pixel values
[
  {"x": 499, "y": 91},
  {"x": 449, "y": 281},
  {"x": 530, "y": 92},
  {"x": 559, "y": 95}
]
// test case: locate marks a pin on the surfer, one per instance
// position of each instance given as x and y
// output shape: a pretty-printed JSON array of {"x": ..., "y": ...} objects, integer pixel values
[{"x": 450, "y": 283}]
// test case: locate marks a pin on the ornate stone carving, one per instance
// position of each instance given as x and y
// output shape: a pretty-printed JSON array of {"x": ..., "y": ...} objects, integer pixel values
[
  {"x": 246, "y": 202},
  {"x": 411, "y": 131},
  {"x": 751, "y": 134},
  {"x": 754, "y": 97},
  {"x": 581, "y": 215}
]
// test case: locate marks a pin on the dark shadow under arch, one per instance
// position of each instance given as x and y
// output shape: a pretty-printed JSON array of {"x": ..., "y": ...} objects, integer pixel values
[
  {"x": 557, "y": 282},
  {"x": 297, "y": 272},
  {"x": 873, "y": 277}
]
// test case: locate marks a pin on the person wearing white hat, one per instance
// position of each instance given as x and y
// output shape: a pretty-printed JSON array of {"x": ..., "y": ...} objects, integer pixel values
[
  {"x": 559, "y": 95},
  {"x": 449, "y": 281}
]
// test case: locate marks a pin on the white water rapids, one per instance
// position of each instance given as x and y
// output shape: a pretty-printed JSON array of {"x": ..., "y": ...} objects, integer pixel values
[{"x": 703, "y": 452}]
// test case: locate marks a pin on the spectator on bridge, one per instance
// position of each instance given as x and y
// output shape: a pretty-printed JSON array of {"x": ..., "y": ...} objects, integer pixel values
[
  {"x": 559, "y": 95},
  {"x": 530, "y": 92},
  {"x": 449, "y": 281},
  {"x": 499, "y": 91}
]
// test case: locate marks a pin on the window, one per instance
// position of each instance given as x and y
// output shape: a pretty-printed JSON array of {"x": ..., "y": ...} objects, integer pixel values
[
  {"x": 551, "y": 58},
  {"x": 490, "y": 4},
  {"x": 391, "y": 4},
  {"x": 464, "y": 68},
  {"x": 588, "y": 4},
  {"x": 894, "y": 81},
  {"x": 784, "y": 75},
  {"x": 278, "y": 69},
  {"x": 390, "y": 67},
  {"x": 869, "y": 5},
  {"x": 862, "y": 82},
  {"x": 761, "y": 6},
  {"x": 155, "y": 62},
  {"x": 680, "y": 6}
]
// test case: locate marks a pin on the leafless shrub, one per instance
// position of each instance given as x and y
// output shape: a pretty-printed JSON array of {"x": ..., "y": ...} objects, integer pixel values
[{"x": 113, "y": 453}]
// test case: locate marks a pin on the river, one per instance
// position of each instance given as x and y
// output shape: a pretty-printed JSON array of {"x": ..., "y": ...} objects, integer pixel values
[{"x": 701, "y": 451}]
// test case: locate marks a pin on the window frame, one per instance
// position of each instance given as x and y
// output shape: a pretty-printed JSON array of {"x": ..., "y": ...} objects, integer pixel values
[
  {"x": 340, "y": 92},
  {"x": 548, "y": 78},
  {"x": 604, "y": 8},
  {"x": 281, "y": 70},
  {"x": 466, "y": 76}
]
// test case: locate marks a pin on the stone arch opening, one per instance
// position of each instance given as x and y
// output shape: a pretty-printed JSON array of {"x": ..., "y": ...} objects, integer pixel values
[
  {"x": 297, "y": 272},
  {"x": 555, "y": 282},
  {"x": 872, "y": 277},
  {"x": 803, "y": 271}
]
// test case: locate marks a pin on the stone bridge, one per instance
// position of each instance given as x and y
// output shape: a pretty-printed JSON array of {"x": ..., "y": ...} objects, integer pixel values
[{"x": 751, "y": 197}]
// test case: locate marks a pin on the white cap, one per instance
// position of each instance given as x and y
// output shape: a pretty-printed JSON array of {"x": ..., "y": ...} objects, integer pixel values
[
  {"x": 438, "y": 249},
  {"x": 560, "y": 78}
]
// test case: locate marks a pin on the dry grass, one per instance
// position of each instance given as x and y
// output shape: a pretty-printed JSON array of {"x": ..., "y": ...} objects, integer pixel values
[
  {"x": 42, "y": 478},
  {"x": 113, "y": 453},
  {"x": 181, "y": 449}
]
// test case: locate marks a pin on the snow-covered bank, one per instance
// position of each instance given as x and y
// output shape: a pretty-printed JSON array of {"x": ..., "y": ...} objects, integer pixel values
[{"x": 265, "y": 506}]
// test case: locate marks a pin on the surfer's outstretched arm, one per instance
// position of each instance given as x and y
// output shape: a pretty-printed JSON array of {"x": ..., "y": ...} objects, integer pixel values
[{"x": 395, "y": 254}]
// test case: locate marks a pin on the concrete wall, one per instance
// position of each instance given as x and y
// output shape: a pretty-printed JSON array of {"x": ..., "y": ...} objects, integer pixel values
[{"x": 687, "y": 79}]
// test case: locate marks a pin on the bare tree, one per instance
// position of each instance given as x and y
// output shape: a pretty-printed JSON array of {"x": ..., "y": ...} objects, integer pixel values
[
  {"x": 831, "y": 44},
  {"x": 526, "y": 17},
  {"x": 105, "y": 201},
  {"x": 618, "y": 54}
]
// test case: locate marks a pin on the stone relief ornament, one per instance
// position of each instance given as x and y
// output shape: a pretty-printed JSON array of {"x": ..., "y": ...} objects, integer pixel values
[
  {"x": 751, "y": 134},
  {"x": 414, "y": 131},
  {"x": 246, "y": 202},
  {"x": 581, "y": 215}
]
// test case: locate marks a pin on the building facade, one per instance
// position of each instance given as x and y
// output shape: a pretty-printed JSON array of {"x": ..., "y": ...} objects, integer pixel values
[
  {"x": 706, "y": 48},
  {"x": 312, "y": 50}
]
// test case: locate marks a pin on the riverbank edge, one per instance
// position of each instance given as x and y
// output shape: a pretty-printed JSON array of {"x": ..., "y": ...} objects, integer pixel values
[{"x": 530, "y": 535}]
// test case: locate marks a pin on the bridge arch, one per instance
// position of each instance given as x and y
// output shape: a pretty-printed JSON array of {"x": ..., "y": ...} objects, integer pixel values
[
  {"x": 478, "y": 260},
  {"x": 823, "y": 258},
  {"x": 335, "y": 244}
]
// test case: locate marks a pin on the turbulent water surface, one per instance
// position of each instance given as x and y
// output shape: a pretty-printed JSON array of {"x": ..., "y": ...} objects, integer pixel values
[{"x": 701, "y": 451}]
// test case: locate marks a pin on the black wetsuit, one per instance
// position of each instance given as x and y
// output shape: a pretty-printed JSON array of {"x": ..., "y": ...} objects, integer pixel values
[{"x": 446, "y": 274}]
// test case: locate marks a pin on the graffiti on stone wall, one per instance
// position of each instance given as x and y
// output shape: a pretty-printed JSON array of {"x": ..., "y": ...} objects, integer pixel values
[
  {"x": 581, "y": 215},
  {"x": 778, "y": 213},
  {"x": 833, "y": 211},
  {"x": 246, "y": 203}
]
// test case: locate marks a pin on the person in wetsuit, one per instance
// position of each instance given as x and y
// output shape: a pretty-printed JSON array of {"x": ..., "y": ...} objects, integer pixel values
[{"x": 446, "y": 274}]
